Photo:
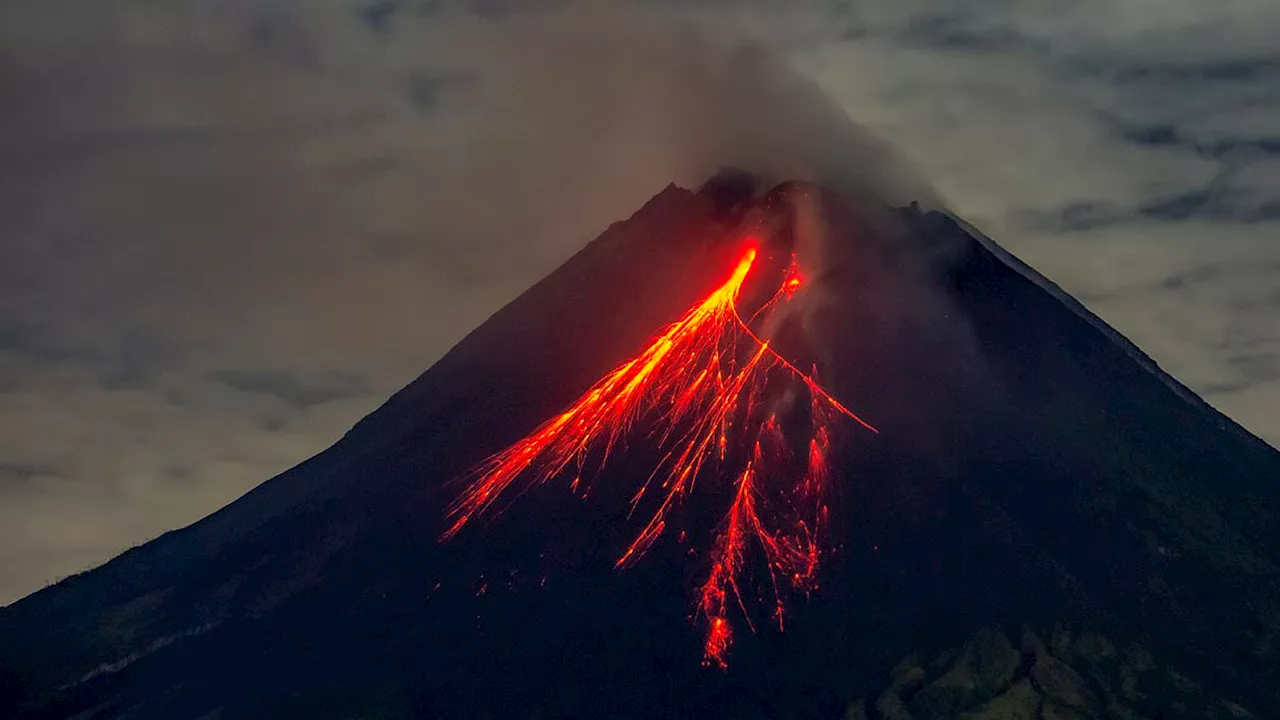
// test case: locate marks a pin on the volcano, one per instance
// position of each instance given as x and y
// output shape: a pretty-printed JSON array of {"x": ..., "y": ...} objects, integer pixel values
[{"x": 760, "y": 451}]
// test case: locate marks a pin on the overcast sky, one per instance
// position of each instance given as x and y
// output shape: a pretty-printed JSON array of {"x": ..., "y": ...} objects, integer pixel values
[{"x": 230, "y": 228}]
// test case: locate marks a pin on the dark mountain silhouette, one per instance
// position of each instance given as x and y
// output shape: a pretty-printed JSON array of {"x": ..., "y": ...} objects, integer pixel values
[{"x": 1046, "y": 526}]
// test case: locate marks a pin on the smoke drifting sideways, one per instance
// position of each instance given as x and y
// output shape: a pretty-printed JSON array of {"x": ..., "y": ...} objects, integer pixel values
[{"x": 586, "y": 111}]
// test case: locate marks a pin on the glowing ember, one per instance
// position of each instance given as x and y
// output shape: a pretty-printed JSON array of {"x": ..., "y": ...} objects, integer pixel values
[{"x": 703, "y": 382}]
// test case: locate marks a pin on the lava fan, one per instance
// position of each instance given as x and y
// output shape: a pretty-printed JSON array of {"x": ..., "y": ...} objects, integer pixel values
[{"x": 710, "y": 393}]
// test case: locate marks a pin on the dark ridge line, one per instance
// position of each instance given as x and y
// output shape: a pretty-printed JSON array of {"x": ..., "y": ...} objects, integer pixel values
[{"x": 1068, "y": 301}]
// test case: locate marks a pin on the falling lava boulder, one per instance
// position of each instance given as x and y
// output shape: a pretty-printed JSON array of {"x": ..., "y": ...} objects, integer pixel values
[{"x": 1046, "y": 524}]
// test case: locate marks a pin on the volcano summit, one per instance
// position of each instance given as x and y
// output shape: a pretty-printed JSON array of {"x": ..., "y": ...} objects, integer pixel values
[{"x": 760, "y": 451}]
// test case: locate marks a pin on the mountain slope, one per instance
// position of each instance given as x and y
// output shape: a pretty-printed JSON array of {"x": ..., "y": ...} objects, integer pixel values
[{"x": 1033, "y": 473}]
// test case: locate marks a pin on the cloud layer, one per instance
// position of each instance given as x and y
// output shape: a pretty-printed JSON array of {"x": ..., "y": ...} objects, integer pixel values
[{"x": 227, "y": 230}]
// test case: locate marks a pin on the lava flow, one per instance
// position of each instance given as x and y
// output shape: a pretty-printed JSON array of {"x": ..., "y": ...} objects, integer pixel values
[{"x": 709, "y": 383}]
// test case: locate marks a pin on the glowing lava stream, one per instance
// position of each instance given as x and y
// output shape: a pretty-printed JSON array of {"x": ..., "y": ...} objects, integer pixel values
[{"x": 707, "y": 393}]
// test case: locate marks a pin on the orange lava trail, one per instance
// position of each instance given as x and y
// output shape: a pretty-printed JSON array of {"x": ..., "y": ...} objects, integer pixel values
[
  {"x": 790, "y": 546},
  {"x": 705, "y": 391},
  {"x": 676, "y": 369}
]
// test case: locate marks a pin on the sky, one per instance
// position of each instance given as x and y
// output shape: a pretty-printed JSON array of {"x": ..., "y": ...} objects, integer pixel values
[{"x": 228, "y": 230}]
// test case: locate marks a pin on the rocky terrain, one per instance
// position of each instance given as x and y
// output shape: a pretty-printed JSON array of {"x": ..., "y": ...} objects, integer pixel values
[{"x": 1071, "y": 675}]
